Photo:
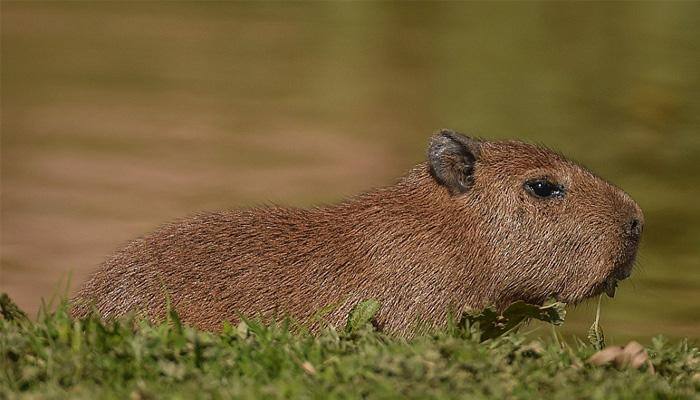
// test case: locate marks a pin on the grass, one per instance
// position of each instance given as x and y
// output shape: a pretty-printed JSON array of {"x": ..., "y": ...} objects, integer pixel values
[{"x": 55, "y": 356}]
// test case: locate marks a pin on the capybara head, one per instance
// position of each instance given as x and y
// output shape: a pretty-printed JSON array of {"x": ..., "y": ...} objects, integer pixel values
[{"x": 548, "y": 227}]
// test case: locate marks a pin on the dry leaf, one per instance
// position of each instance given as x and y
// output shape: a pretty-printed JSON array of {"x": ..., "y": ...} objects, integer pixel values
[
  {"x": 605, "y": 356},
  {"x": 308, "y": 368},
  {"x": 632, "y": 355}
]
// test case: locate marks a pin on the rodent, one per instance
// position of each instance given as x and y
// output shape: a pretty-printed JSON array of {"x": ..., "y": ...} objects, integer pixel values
[{"x": 478, "y": 223}]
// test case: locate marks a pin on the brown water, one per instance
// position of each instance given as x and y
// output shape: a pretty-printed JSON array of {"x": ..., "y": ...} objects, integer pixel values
[{"x": 117, "y": 117}]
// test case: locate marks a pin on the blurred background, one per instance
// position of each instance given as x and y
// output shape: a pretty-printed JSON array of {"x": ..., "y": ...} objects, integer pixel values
[{"x": 117, "y": 117}]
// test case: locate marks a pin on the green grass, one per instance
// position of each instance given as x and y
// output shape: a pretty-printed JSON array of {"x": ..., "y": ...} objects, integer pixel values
[{"x": 57, "y": 357}]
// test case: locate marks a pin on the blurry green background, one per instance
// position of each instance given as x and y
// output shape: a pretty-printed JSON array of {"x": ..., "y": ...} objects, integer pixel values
[{"x": 117, "y": 117}]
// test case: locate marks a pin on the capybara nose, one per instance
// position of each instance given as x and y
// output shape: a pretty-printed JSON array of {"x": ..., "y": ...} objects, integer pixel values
[
  {"x": 634, "y": 228},
  {"x": 634, "y": 223}
]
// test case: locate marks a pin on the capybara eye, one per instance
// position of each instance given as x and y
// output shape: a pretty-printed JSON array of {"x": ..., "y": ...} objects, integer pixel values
[{"x": 544, "y": 189}]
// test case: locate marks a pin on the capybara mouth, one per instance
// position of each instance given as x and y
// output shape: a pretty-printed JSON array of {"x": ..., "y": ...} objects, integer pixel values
[
  {"x": 621, "y": 272},
  {"x": 610, "y": 286},
  {"x": 607, "y": 286}
]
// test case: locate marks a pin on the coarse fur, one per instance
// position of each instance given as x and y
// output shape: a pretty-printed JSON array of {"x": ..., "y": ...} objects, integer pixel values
[{"x": 460, "y": 231}]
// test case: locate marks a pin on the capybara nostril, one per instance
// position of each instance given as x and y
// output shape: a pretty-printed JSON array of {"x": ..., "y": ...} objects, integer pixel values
[{"x": 634, "y": 227}]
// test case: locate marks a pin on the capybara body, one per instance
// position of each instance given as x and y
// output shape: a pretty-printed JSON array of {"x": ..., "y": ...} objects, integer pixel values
[{"x": 479, "y": 223}]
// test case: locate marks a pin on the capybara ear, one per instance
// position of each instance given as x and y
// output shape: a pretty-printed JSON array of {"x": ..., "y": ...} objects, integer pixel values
[{"x": 451, "y": 157}]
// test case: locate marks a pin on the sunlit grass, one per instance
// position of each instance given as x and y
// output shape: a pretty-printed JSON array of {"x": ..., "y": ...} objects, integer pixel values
[{"x": 58, "y": 357}]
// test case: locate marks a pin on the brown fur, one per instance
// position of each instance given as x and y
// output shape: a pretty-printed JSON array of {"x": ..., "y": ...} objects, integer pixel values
[{"x": 459, "y": 231}]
